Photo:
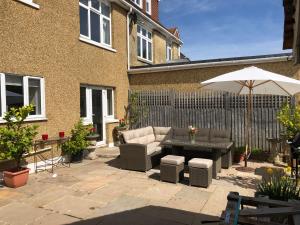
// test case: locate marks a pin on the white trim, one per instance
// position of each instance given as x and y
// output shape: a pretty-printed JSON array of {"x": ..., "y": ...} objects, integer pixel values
[
  {"x": 30, "y": 3},
  {"x": 106, "y": 47},
  {"x": 148, "y": 40},
  {"x": 3, "y": 95},
  {"x": 111, "y": 120},
  {"x": 145, "y": 60},
  {"x": 207, "y": 65},
  {"x": 169, "y": 52},
  {"x": 150, "y": 7},
  {"x": 139, "y": 5},
  {"x": 29, "y": 119},
  {"x": 111, "y": 145}
]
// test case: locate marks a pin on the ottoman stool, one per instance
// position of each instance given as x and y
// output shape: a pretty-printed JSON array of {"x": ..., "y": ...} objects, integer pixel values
[
  {"x": 200, "y": 172},
  {"x": 172, "y": 168}
]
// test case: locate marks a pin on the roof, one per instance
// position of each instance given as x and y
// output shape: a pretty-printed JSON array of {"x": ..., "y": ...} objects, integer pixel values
[
  {"x": 289, "y": 21},
  {"x": 215, "y": 60},
  {"x": 174, "y": 31}
]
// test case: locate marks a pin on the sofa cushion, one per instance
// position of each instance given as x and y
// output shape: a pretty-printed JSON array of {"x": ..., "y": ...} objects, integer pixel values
[
  {"x": 139, "y": 136},
  {"x": 219, "y": 135},
  {"x": 202, "y": 135},
  {"x": 153, "y": 147},
  {"x": 162, "y": 133},
  {"x": 181, "y": 134}
]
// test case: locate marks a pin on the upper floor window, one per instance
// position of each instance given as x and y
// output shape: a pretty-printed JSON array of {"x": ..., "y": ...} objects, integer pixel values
[
  {"x": 169, "y": 52},
  {"x": 148, "y": 6},
  {"x": 144, "y": 43},
  {"x": 95, "y": 21},
  {"x": 138, "y": 2},
  {"x": 17, "y": 91}
]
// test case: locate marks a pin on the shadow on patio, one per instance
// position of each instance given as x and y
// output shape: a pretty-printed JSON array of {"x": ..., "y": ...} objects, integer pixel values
[{"x": 151, "y": 215}]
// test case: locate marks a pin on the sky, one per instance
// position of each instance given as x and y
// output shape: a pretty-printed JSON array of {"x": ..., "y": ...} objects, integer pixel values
[{"x": 226, "y": 28}]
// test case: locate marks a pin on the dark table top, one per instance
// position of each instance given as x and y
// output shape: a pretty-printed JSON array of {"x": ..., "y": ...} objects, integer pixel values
[{"x": 209, "y": 145}]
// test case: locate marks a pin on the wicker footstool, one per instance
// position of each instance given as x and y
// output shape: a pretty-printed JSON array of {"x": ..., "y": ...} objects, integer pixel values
[
  {"x": 172, "y": 168},
  {"x": 200, "y": 172}
]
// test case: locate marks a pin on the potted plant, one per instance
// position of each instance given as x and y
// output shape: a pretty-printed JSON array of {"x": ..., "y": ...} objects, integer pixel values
[
  {"x": 118, "y": 130},
  {"x": 77, "y": 142},
  {"x": 258, "y": 154},
  {"x": 239, "y": 154},
  {"x": 92, "y": 137},
  {"x": 16, "y": 139}
]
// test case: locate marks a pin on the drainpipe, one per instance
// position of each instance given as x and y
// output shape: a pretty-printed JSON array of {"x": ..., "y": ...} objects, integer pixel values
[{"x": 128, "y": 38}]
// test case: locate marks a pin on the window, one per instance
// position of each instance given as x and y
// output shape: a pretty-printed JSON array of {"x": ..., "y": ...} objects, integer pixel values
[
  {"x": 83, "y": 102},
  {"x": 169, "y": 52},
  {"x": 110, "y": 102},
  {"x": 144, "y": 43},
  {"x": 17, "y": 91},
  {"x": 138, "y": 2},
  {"x": 148, "y": 6},
  {"x": 95, "y": 21}
]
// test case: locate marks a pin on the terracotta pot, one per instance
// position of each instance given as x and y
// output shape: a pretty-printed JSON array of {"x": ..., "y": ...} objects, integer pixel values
[
  {"x": 238, "y": 158},
  {"x": 16, "y": 179}
]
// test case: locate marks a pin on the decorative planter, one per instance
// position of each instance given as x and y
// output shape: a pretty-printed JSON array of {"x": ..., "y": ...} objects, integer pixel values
[
  {"x": 77, "y": 158},
  {"x": 92, "y": 137},
  {"x": 90, "y": 150},
  {"x": 16, "y": 179}
]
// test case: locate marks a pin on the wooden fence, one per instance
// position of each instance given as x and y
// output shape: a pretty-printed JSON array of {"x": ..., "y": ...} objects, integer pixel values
[{"x": 218, "y": 110}]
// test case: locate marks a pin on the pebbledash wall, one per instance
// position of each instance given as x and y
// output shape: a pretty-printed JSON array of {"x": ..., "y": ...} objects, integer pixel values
[
  {"x": 187, "y": 77},
  {"x": 45, "y": 42}
]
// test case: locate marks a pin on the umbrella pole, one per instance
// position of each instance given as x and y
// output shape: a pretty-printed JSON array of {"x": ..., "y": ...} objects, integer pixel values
[{"x": 249, "y": 123}]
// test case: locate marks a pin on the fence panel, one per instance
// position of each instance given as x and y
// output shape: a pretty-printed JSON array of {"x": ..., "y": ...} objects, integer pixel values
[{"x": 219, "y": 110}]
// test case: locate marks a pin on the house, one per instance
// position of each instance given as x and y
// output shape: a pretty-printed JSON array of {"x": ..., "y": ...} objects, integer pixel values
[
  {"x": 70, "y": 58},
  {"x": 291, "y": 38}
]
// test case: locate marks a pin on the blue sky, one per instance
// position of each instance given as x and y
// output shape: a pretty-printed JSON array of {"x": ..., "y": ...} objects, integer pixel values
[{"x": 226, "y": 28}]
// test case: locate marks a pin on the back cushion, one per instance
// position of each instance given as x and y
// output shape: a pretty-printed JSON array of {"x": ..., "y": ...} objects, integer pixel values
[
  {"x": 219, "y": 135},
  {"x": 202, "y": 134},
  {"x": 181, "y": 134},
  {"x": 162, "y": 133},
  {"x": 139, "y": 136}
]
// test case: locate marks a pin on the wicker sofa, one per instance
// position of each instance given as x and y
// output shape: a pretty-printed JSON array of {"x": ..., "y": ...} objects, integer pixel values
[{"x": 141, "y": 149}]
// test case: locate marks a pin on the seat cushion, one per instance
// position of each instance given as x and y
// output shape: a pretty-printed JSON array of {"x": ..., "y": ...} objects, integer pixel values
[
  {"x": 139, "y": 136},
  {"x": 162, "y": 133},
  {"x": 181, "y": 134},
  {"x": 202, "y": 135},
  {"x": 220, "y": 135},
  {"x": 200, "y": 163},
  {"x": 153, "y": 147},
  {"x": 172, "y": 160}
]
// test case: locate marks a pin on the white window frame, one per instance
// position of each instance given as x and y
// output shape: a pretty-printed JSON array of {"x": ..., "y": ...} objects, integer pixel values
[
  {"x": 41, "y": 116},
  {"x": 169, "y": 52},
  {"x": 139, "y": 5},
  {"x": 149, "y": 11},
  {"x": 101, "y": 16},
  {"x": 148, "y": 40},
  {"x": 30, "y": 3}
]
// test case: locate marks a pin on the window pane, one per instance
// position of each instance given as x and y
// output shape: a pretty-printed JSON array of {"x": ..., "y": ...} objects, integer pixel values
[
  {"x": 35, "y": 95},
  {"x": 105, "y": 10},
  {"x": 138, "y": 29},
  {"x": 84, "y": 30},
  {"x": 109, "y": 103},
  {"x": 149, "y": 35},
  {"x": 85, "y": 2},
  {"x": 106, "y": 31},
  {"x": 149, "y": 50},
  {"x": 95, "y": 27},
  {"x": 14, "y": 92},
  {"x": 144, "y": 32},
  {"x": 82, "y": 102},
  {"x": 144, "y": 49},
  {"x": 139, "y": 46},
  {"x": 96, "y": 4}
]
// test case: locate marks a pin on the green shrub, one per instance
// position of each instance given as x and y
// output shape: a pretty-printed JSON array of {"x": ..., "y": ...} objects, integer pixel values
[
  {"x": 78, "y": 141},
  {"x": 239, "y": 150},
  {"x": 16, "y": 139},
  {"x": 279, "y": 188}
]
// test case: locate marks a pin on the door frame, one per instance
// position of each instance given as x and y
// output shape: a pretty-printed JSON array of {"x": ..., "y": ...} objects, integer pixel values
[{"x": 89, "y": 111}]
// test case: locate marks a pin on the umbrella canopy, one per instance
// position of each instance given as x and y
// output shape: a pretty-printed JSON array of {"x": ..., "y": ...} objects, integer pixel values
[{"x": 259, "y": 80}]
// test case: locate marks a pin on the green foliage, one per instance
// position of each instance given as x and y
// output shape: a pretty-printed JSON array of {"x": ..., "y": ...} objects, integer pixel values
[
  {"x": 16, "y": 139},
  {"x": 239, "y": 150},
  {"x": 134, "y": 110},
  {"x": 279, "y": 188},
  {"x": 78, "y": 141},
  {"x": 289, "y": 117}
]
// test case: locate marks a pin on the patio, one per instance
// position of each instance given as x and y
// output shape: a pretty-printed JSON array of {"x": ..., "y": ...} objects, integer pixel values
[{"x": 98, "y": 192}]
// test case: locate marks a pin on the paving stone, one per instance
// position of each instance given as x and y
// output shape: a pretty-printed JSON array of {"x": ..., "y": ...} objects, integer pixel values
[
  {"x": 20, "y": 213},
  {"x": 74, "y": 206},
  {"x": 54, "y": 219}
]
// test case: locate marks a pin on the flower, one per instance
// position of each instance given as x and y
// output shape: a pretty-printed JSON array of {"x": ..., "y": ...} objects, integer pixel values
[
  {"x": 270, "y": 171},
  {"x": 288, "y": 169}
]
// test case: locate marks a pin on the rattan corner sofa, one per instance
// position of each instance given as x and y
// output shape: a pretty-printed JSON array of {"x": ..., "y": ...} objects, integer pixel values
[{"x": 141, "y": 149}]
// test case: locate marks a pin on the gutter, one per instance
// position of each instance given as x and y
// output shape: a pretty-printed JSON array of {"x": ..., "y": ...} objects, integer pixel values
[
  {"x": 207, "y": 65},
  {"x": 150, "y": 20}
]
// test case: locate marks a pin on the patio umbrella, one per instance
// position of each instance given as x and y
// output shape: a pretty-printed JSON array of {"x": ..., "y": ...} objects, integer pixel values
[{"x": 250, "y": 81}]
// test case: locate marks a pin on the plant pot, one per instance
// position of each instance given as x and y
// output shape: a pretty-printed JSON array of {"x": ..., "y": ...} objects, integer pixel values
[
  {"x": 66, "y": 158},
  {"x": 237, "y": 158},
  {"x": 15, "y": 179},
  {"x": 92, "y": 137},
  {"x": 77, "y": 157}
]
